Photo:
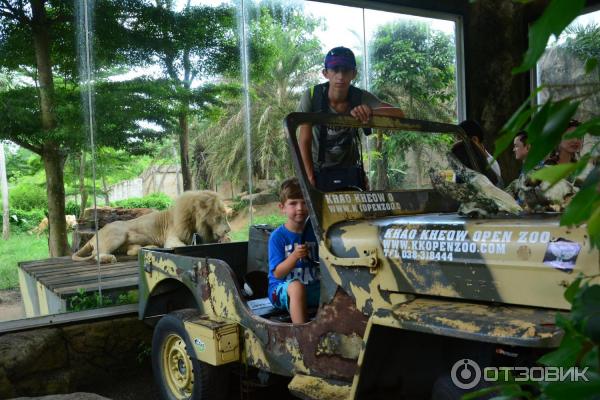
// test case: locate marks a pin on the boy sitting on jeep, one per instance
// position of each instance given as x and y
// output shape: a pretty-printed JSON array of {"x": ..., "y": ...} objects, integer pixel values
[{"x": 293, "y": 273}]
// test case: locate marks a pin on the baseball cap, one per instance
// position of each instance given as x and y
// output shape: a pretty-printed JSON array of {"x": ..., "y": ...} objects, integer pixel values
[{"x": 340, "y": 57}]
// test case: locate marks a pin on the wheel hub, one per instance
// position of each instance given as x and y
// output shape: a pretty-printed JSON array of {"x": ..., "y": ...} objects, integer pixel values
[{"x": 177, "y": 367}]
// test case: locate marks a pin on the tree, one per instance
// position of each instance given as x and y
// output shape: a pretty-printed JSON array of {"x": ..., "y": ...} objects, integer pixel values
[
  {"x": 412, "y": 67},
  {"x": 47, "y": 118},
  {"x": 285, "y": 57},
  {"x": 189, "y": 46},
  {"x": 4, "y": 189}
]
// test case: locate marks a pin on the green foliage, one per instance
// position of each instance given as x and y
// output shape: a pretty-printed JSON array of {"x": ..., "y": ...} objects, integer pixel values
[
  {"x": 22, "y": 162},
  {"x": 413, "y": 67},
  {"x": 24, "y": 220},
  {"x": 144, "y": 352},
  {"x": 286, "y": 53},
  {"x": 554, "y": 20},
  {"x": 239, "y": 205},
  {"x": 584, "y": 42},
  {"x": 158, "y": 201},
  {"x": 89, "y": 300},
  {"x": 11, "y": 252},
  {"x": 546, "y": 124},
  {"x": 27, "y": 197},
  {"x": 72, "y": 208}
]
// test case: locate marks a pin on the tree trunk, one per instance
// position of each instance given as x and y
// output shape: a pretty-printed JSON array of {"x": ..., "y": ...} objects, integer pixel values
[
  {"x": 419, "y": 165},
  {"x": 82, "y": 191},
  {"x": 105, "y": 191},
  {"x": 41, "y": 44},
  {"x": 382, "y": 181},
  {"x": 184, "y": 150},
  {"x": 4, "y": 186},
  {"x": 53, "y": 161},
  {"x": 55, "y": 188}
]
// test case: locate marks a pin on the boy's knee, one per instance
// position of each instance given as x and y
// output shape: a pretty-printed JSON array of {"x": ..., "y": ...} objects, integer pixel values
[{"x": 296, "y": 289}]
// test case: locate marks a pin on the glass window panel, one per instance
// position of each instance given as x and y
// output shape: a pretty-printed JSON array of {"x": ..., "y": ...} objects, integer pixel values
[
  {"x": 412, "y": 64},
  {"x": 171, "y": 76}
]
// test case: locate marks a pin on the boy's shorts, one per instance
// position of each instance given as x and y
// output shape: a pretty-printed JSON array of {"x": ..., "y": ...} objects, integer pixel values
[{"x": 280, "y": 300}]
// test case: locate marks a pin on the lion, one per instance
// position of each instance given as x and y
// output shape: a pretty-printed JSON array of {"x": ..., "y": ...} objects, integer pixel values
[
  {"x": 200, "y": 212},
  {"x": 70, "y": 220}
]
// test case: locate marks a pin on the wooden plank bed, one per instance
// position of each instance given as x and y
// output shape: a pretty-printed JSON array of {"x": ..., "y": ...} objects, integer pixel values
[{"x": 48, "y": 285}]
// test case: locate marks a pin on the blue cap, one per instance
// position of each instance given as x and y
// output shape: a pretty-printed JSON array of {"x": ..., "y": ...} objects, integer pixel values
[{"x": 340, "y": 57}]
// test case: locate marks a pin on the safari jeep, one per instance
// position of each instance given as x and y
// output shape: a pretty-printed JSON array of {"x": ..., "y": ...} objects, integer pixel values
[{"x": 414, "y": 297}]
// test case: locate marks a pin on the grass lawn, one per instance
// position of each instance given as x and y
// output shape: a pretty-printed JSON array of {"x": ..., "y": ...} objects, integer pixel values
[
  {"x": 19, "y": 247},
  {"x": 272, "y": 219}
]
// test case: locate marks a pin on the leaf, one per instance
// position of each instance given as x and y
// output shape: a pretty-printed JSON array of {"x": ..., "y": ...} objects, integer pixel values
[
  {"x": 590, "y": 65},
  {"x": 572, "y": 290},
  {"x": 566, "y": 354},
  {"x": 591, "y": 126},
  {"x": 554, "y": 173},
  {"x": 585, "y": 201},
  {"x": 556, "y": 17},
  {"x": 579, "y": 389},
  {"x": 591, "y": 359},
  {"x": 592, "y": 327},
  {"x": 593, "y": 226},
  {"x": 580, "y": 207},
  {"x": 554, "y": 121},
  {"x": 477, "y": 394},
  {"x": 515, "y": 123}
]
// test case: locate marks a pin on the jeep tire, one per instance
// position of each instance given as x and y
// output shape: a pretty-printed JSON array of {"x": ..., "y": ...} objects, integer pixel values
[{"x": 177, "y": 372}]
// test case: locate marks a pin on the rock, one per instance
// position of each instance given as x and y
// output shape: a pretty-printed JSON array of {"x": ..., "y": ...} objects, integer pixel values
[
  {"x": 64, "y": 359},
  {"x": 261, "y": 198},
  {"x": 263, "y": 185},
  {"x": 31, "y": 352}
]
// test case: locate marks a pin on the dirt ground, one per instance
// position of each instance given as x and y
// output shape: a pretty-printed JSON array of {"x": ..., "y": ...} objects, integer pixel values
[{"x": 11, "y": 305}]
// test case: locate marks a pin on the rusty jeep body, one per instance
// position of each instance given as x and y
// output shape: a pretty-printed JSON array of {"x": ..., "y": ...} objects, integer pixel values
[{"x": 408, "y": 288}]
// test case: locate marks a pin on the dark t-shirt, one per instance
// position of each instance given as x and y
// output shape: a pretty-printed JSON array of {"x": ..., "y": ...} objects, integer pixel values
[{"x": 341, "y": 143}]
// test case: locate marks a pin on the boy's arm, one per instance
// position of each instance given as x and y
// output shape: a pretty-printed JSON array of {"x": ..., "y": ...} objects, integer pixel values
[
  {"x": 285, "y": 267},
  {"x": 373, "y": 106},
  {"x": 388, "y": 110}
]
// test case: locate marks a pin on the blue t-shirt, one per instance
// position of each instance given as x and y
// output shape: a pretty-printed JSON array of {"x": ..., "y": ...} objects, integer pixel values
[{"x": 281, "y": 245}]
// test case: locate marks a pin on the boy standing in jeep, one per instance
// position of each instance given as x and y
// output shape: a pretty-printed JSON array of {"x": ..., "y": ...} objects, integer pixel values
[{"x": 332, "y": 153}]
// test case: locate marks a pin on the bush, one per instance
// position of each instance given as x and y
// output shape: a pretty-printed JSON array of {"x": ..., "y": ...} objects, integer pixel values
[
  {"x": 27, "y": 196},
  {"x": 239, "y": 205},
  {"x": 24, "y": 220},
  {"x": 72, "y": 208},
  {"x": 158, "y": 201}
]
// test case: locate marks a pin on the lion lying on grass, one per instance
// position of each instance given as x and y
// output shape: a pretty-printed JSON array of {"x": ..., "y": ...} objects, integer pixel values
[
  {"x": 199, "y": 212},
  {"x": 70, "y": 220}
]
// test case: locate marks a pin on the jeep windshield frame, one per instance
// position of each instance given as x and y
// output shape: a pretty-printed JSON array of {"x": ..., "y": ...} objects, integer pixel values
[{"x": 328, "y": 208}]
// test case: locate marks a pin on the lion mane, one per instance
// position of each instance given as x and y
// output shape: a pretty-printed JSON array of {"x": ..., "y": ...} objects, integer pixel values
[{"x": 200, "y": 212}]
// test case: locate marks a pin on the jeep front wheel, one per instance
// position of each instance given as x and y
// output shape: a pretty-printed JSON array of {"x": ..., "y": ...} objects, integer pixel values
[{"x": 178, "y": 373}]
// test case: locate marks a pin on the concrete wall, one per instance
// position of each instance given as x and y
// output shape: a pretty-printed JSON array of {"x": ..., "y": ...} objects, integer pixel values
[{"x": 126, "y": 189}]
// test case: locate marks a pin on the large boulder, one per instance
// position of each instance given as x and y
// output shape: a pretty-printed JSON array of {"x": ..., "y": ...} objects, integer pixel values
[{"x": 64, "y": 359}]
